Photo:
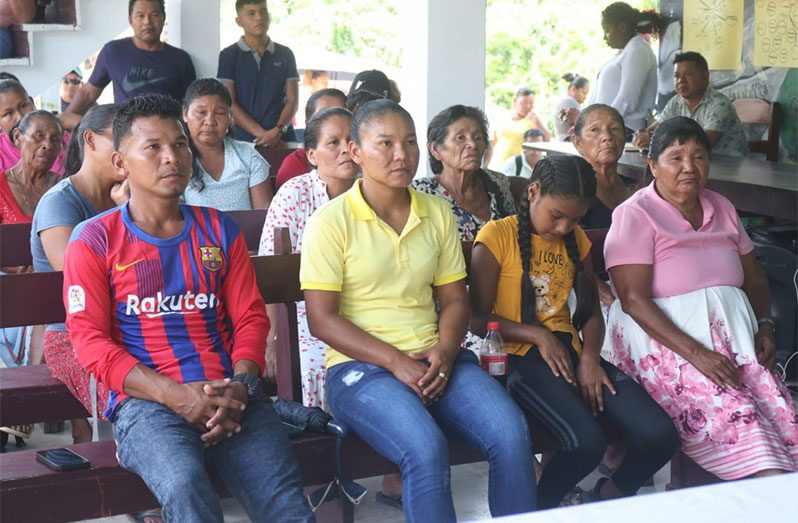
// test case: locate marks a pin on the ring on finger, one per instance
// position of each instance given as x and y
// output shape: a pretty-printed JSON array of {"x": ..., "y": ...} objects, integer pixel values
[{"x": 443, "y": 376}]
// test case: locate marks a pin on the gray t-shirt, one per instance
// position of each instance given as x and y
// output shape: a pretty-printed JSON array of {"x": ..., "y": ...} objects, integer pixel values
[
  {"x": 61, "y": 206},
  {"x": 244, "y": 168}
]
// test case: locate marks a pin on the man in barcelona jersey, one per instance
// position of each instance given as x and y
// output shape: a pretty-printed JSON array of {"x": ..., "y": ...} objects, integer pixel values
[{"x": 163, "y": 307}]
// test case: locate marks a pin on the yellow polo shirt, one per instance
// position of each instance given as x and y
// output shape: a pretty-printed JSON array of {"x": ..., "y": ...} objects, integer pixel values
[
  {"x": 385, "y": 280},
  {"x": 552, "y": 275}
]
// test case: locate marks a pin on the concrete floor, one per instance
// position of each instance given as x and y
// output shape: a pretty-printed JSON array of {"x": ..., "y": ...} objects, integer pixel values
[{"x": 469, "y": 484}]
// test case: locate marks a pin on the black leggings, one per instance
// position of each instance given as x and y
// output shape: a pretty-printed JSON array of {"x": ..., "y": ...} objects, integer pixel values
[{"x": 560, "y": 408}]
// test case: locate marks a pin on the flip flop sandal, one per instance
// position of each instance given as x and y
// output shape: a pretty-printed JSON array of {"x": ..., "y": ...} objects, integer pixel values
[
  {"x": 606, "y": 471},
  {"x": 394, "y": 501},
  {"x": 574, "y": 497},
  {"x": 141, "y": 517},
  {"x": 593, "y": 495},
  {"x": 20, "y": 431}
]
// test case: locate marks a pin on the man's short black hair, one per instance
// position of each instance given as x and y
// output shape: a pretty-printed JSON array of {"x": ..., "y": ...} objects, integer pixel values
[
  {"x": 692, "y": 56},
  {"x": 145, "y": 106},
  {"x": 131, "y": 3},
  {"x": 242, "y": 3}
]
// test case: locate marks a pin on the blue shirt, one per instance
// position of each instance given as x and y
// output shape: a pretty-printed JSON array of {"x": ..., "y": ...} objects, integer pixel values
[
  {"x": 135, "y": 71},
  {"x": 61, "y": 206},
  {"x": 259, "y": 82},
  {"x": 243, "y": 169}
]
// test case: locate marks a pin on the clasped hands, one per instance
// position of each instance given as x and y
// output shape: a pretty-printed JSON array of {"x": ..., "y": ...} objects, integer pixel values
[
  {"x": 268, "y": 138},
  {"x": 429, "y": 380},
  {"x": 214, "y": 407}
]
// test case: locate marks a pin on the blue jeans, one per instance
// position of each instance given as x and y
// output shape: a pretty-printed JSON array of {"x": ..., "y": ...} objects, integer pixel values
[
  {"x": 474, "y": 408},
  {"x": 257, "y": 465}
]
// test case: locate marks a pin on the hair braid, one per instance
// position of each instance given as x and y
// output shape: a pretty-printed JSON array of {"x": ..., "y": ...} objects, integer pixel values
[
  {"x": 492, "y": 188},
  {"x": 528, "y": 310},
  {"x": 563, "y": 176}
]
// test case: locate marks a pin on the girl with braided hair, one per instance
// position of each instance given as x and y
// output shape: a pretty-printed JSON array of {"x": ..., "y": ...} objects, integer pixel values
[{"x": 522, "y": 270}]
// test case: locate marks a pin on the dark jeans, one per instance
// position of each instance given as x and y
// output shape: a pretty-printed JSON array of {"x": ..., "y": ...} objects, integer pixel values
[
  {"x": 389, "y": 416},
  {"x": 257, "y": 465},
  {"x": 560, "y": 408},
  {"x": 6, "y": 43}
]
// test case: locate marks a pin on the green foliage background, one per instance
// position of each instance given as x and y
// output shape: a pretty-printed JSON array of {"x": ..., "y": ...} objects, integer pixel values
[
  {"x": 529, "y": 42},
  {"x": 534, "y": 42}
]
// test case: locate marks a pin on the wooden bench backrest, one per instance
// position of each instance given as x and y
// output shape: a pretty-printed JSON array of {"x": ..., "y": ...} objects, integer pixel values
[
  {"x": 31, "y": 299},
  {"x": 755, "y": 111},
  {"x": 15, "y": 237},
  {"x": 275, "y": 157},
  {"x": 251, "y": 225},
  {"x": 15, "y": 244}
]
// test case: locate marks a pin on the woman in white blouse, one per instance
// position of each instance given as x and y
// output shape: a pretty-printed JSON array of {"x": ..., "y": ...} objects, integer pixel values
[
  {"x": 326, "y": 142},
  {"x": 628, "y": 81},
  {"x": 227, "y": 174}
]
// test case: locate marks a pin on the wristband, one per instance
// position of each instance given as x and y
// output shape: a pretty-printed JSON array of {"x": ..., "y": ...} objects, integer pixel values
[{"x": 252, "y": 383}]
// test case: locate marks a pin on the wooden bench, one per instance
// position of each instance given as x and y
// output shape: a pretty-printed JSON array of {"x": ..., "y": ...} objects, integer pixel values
[
  {"x": 106, "y": 489},
  {"x": 21, "y": 478},
  {"x": 15, "y": 237}
]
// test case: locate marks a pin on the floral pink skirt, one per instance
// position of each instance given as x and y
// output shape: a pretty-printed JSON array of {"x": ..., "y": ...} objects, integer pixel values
[
  {"x": 731, "y": 433},
  {"x": 64, "y": 366}
]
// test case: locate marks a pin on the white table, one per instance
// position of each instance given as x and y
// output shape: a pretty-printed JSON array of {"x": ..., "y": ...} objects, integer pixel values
[{"x": 764, "y": 500}]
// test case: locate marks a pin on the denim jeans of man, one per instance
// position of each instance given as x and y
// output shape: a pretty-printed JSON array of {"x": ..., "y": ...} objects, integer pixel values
[
  {"x": 257, "y": 465},
  {"x": 474, "y": 408}
]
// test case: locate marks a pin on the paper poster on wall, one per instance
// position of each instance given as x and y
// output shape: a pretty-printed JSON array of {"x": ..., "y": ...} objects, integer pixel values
[
  {"x": 776, "y": 37},
  {"x": 714, "y": 28}
]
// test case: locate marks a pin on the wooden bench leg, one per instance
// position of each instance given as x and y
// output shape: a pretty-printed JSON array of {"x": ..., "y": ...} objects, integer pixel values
[
  {"x": 338, "y": 511},
  {"x": 54, "y": 427}
]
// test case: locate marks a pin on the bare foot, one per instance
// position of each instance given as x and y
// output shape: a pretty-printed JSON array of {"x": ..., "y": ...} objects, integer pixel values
[
  {"x": 81, "y": 430},
  {"x": 392, "y": 484}
]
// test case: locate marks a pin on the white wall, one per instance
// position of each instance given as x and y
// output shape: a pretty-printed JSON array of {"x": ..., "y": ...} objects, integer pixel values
[
  {"x": 56, "y": 52},
  {"x": 444, "y": 59},
  {"x": 194, "y": 27}
]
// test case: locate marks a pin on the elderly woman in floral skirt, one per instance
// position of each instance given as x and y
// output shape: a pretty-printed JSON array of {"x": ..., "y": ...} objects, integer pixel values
[{"x": 692, "y": 323}]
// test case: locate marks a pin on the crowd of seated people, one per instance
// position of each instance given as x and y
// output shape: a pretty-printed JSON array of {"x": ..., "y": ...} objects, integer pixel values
[{"x": 163, "y": 310}]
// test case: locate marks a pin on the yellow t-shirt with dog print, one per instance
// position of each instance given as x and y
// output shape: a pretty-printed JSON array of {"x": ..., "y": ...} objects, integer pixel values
[{"x": 552, "y": 274}]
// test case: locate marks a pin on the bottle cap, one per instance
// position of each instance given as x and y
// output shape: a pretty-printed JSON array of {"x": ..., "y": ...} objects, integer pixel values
[{"x": 493, "y": 325}]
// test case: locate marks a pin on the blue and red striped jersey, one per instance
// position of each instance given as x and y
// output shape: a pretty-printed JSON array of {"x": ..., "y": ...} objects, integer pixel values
[{"x": 187, "y": 307}]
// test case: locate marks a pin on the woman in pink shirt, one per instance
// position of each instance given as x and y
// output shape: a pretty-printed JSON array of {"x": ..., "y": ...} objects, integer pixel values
[
  {"x": 14, "y": 104},
  {"x": 692, "y": 323}
]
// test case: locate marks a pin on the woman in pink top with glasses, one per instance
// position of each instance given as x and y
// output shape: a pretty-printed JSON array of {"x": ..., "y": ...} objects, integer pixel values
[{"x": 692, "y": 323}]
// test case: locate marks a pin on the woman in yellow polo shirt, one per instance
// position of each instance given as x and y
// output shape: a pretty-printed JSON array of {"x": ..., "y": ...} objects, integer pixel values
[
  {"x": 374, "y": 262},
  {"x": 522, "y": 270}
]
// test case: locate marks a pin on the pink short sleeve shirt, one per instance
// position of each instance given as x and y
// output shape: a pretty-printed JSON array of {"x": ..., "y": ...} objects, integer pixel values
[{"x": 648, "y": 230}]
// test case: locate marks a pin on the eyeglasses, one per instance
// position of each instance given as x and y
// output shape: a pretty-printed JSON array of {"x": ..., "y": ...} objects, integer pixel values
[{"x": 71, "y": 81}]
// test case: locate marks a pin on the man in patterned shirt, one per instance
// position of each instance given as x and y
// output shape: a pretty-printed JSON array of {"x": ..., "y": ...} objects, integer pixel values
[
  {"x": 698, "y": 100},
  {"x": 163, "y": 307}
]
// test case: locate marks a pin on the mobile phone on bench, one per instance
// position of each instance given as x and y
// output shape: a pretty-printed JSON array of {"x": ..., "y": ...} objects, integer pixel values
[{"x": 62, "y": 460}]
